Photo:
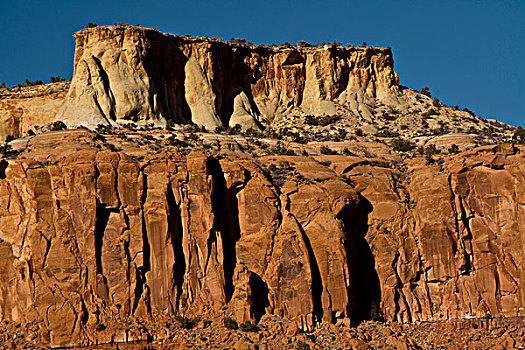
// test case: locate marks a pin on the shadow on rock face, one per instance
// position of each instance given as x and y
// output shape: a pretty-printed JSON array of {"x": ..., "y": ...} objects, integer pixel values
[
  {"x": 364, "y": 292},
  {"x": 3, "y": 166}
]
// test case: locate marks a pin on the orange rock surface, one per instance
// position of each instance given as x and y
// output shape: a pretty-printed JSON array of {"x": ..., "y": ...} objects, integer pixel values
[{"x": 91, "y": 238}]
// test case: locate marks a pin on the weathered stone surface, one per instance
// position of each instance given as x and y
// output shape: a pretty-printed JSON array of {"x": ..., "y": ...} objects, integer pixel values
[
  {"x": 23, "y": 109},
  {"x": 92, "y": 237},
  {"x": 133, "y": 73}
]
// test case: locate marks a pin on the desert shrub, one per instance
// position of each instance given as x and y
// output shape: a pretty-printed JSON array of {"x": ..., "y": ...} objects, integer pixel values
[
  {"x": 111, "y": 147},
  {"x": 425, "y": 90},
  {"x": 323, "y": 120},
  {"x": 240, "y": 42},
  {"x": 402, "y": 145},
  {"x": 230, "y": 323},
  {"x": 99, "y": 137},
  {"x": 33, "y": 83},
  {"x": 282, "y": 151},
  {"x": 5, "y": 149},
  {"x": 469, "y": 111},
  {"x": 297, "y": 137},
  {"x": 100, "y": 327},
  {"x": 429, "y": 113},
  {"x": 192, "y": 127},
  {"x": 185, "y": 322},
  {"x": 301, "y": 345},
  {"x": 327, "y": 150},
  {"x": 341, "y": 135},
  {"x": 519, "y": 135},
  {"x": 191, "y": 136},
  {"x": 56, "y": 79},
  {"x": 103, "y": 129},
  {"x": 347, "y": 152},
  {"x": 58, "y": 125},
  {"x": 387, "y": 133},
  {"x": 429, "y": 152},
  {"x": 302, "y": 43},
  {"x": 453, "y": 149},
  {"x": 359, "y": 132},
  {"x": 363, "y": 44},
  {"x": 91, "y": 25},
  {"x": 375, "y": 313},
  {"x": 431, "y": 149},
  {"x": 435, "y": 102},
  {"x": 251, "y": 132},
  {"x": 488, "y": 130},
  {"x": 248, "y": 326}
]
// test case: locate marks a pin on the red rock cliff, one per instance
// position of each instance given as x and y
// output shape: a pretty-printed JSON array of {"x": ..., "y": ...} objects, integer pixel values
[{"x": 94, "y": 237}]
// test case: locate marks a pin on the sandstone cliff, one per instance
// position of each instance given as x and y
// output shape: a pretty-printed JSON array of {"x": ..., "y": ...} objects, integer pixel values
[
  {"x": 91, "y": 238},
  {"x": 23, "y": 109},
  {"x": 137, "y": 74}
]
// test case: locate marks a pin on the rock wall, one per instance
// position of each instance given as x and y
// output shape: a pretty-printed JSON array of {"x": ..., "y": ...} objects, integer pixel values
[
  {"x": 95, "y": 238},
  {"x": 23, "y": 109},
  {"x": 133, "y": 73}
]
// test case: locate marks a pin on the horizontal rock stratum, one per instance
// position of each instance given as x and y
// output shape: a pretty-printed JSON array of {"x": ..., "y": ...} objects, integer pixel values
[
  {"x": 138, "y": 74},
  {"x": 91, "y": 237}
]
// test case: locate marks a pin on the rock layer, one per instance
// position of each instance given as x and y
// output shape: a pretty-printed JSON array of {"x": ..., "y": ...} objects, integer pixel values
[
  {"x": 137, "y": 74},
  {"x": 95, "y": 238},
  {"x": 23, "y": 109}
]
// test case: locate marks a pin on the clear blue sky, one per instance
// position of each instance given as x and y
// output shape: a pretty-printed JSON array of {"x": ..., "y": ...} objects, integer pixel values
[{"x": 470, "y": 53}]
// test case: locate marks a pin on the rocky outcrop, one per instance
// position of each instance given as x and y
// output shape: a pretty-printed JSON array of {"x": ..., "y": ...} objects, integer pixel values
[
  {"x": 21, "y": 109},
  {"x": 93, "y": 241},
  {"x": 97, "y": 237},
  {"x": 136, "y": 74},
  {"x": 446, "y": 238}
]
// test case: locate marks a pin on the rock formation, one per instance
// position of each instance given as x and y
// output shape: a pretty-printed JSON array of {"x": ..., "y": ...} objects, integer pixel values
[
  {"x": 111, "y": 236},
  {"x": 137, "y": 74},
  {"x": 95, "y": 237},
  {"x": 23, "y": 109}
]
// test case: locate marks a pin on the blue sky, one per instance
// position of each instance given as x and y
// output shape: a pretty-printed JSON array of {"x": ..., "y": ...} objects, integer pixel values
[{"x": 470, "y": 53}]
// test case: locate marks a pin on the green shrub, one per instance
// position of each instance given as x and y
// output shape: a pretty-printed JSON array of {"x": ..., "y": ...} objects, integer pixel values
[
  {"x": 185, "y": 322},
  {"x": 327, "y": 150},
  {"x": 429, "y": 113},
  {"x": 519, "y": 135},
  {"x": 282, "y": 151},
  {"x": 425, "y": 90},
  {"x": 402, "y": 145},
  {"x": 453, "y": 149},
  {"x": 230, "y": 323},
  {"x": 248, "y": 326},
  {"x": 375, "y": 313},
  {"x": 301, "y": 345},
  {"x": 58, "y": 125},
  {"x": 111, "y": 147},
  {"x": 324, "y": 120}
]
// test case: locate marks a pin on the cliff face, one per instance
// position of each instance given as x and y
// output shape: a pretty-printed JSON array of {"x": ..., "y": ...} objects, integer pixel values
[
  {"x": 23, "y": 109},
  {"x": 96, "y": 238},
  {"x": 137, "y": 74}
]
